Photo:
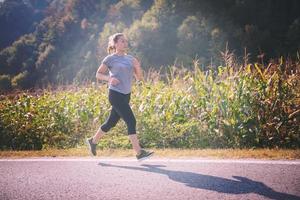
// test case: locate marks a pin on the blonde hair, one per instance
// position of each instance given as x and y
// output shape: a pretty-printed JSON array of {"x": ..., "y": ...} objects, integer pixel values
[{"x": 113, "y": 39}]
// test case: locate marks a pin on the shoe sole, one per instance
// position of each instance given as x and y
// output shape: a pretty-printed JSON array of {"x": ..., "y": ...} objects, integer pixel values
[
  {"x": 89, "y": 147},
  {"x": 144, "y": 158}
]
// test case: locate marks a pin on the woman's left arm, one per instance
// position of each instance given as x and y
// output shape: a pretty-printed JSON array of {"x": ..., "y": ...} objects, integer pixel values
[{"x": 138, "y": 72}]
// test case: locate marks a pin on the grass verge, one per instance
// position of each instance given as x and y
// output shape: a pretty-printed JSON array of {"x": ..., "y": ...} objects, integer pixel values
[{"x": 163, "y": 153}]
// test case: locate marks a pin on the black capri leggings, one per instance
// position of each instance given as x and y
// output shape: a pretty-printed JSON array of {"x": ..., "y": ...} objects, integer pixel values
[{"x": 120, "y": 109}]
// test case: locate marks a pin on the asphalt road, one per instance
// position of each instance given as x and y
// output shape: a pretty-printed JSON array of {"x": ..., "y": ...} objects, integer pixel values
[{"x": 103, "y": 178}]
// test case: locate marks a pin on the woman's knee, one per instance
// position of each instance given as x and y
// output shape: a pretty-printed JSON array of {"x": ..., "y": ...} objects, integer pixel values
[
  {"x": 107, "y": 126},
  {"x": 104, "y": 127}
]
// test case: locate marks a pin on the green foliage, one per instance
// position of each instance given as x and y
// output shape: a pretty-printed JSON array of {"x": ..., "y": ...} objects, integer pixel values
[
  {"x": 194, "y": 36},
  {"x": 18, "y": 18},
  {"x": 5, "y": 84},
  {"x": 60, "y": 42},
  {"x": 293, "y": 35},
  {"x": 126, "y": 11},
  {"x": 18, "y": 57},
  {"x": 63, "y": 41},
  {"x": 155, "y": 34},
  {"x": 22, "y": 80},
  {"x": 247, "y": 107}
]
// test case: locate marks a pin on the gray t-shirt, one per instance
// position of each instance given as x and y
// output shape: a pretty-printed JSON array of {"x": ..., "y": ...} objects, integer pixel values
[{"x": 121, "y": 68}]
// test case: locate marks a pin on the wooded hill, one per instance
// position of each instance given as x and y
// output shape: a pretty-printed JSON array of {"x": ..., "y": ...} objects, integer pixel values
[{"x": 63, "y": 41}]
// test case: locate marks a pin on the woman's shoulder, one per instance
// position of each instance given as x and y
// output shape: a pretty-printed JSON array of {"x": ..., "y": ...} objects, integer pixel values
[
  {"x": 131, "y": 57},
  {"x": 109, "y": 56},
  {"x": 108, "y": 59}
]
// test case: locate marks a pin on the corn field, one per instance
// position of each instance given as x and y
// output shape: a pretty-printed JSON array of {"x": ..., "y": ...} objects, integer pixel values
[{"x": 246, "y": 106}]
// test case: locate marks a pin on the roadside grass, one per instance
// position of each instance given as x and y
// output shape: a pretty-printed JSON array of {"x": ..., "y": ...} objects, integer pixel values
[{"x": 271, "y": 154}]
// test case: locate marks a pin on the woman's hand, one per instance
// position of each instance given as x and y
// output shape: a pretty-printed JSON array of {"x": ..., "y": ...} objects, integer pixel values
[{"x": 113, "y": 81}]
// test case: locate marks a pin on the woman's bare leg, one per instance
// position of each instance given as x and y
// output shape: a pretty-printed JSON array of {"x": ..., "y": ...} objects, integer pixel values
[
  {"x": 135, "y": 143},
  {"x": 98, "y": 135}
]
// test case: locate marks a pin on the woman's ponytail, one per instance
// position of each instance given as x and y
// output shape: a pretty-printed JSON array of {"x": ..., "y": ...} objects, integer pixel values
[{"x": 113, "y": 39}]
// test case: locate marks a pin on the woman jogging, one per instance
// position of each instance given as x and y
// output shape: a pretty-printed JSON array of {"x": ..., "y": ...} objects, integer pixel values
[{"x": 122, "y": 67}]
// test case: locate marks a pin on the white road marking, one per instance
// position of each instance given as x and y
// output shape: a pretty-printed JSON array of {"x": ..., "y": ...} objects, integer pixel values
[{"x": 171, "y": 160}]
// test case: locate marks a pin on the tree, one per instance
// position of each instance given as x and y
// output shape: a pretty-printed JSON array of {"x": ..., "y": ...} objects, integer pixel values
[
  {"x": 16, "y": 19},
  {"x": 5, "y": 84},
  {"x": 293, "y": 37},
  {"x": 23, "y": 80},
  {"x": 194, "y": 37},
  {"x": 153, "y": 38}
]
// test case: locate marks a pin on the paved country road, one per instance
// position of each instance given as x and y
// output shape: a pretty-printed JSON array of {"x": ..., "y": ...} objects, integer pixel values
[{"x": 178, "y": 179}]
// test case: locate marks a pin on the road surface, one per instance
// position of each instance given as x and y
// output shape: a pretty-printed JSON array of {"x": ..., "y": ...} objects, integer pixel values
[{"x": 163, "y": 179}]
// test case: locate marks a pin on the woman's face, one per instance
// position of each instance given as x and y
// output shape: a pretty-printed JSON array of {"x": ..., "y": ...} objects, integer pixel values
[{"x": 122, "y": 43}]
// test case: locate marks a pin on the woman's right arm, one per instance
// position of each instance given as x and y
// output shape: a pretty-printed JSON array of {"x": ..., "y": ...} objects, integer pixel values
[
  {"x": 102, "y": 70},
  {"x": 101, "y": 75}
]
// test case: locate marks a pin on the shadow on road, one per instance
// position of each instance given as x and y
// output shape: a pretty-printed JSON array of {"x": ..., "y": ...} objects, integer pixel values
[{"x": 241, "y": 185}]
